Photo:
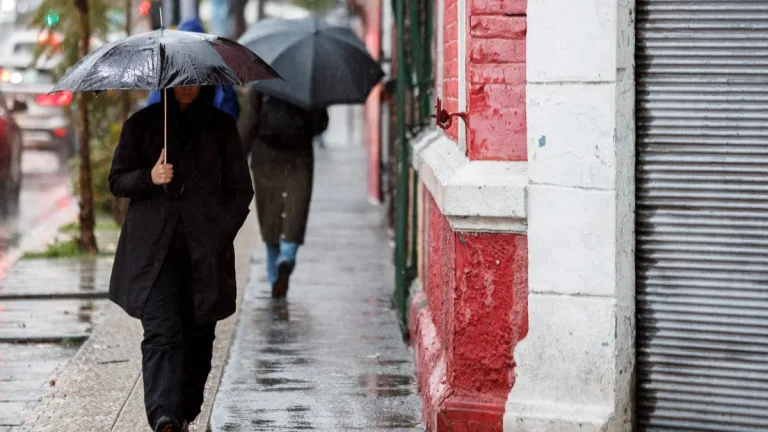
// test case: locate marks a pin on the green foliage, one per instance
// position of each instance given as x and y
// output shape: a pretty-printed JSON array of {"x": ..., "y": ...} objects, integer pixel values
[
  {"x": 57, "y": 249},
  {"x": 104, "y": 222},
  {"x": 68, "y": 24},
  {"x": 104, "y": 112}
]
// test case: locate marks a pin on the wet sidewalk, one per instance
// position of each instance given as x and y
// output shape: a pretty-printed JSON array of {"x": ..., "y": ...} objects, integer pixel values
[{"x": 331, "y": 357}]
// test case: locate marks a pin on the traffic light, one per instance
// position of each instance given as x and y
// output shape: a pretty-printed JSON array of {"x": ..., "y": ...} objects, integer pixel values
[
  {"x": 145, "y": 8},
  {"x": 51, "y": 18}
]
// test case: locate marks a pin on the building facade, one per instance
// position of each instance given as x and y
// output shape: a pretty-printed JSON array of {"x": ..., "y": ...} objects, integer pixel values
[{"x": 589, "y": 214}]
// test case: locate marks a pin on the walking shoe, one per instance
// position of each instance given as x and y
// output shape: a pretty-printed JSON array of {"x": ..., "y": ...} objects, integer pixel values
[
  {"x": 280, "y": 287},
  {"x": 167, "y": 424}
]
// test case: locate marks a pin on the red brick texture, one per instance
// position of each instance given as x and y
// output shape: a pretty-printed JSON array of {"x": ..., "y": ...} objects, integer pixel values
[
  {"x": 465, "y": 323},
  {"x": 451, "y": 62},
  {"x": 496, "y": 80}
]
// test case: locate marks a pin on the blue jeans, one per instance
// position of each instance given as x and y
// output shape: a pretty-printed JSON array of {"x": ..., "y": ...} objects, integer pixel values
[{"x": 279, "y": 253}]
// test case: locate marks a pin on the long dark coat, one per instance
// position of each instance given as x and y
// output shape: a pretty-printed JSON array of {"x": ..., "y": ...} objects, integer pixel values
[
  {"x": 280, "y": 136},
  {"x": 212, "y": 208}
]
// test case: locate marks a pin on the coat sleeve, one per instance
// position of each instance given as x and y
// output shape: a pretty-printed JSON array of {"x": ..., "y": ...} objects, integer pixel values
[
  {"x": 127, "y": 178},
  {"x": 319, "y": 121},
  {"x": 236, "y": 181}
]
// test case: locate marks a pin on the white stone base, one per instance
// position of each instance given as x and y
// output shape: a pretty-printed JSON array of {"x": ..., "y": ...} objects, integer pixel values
[{"x": 572, "y": 374}]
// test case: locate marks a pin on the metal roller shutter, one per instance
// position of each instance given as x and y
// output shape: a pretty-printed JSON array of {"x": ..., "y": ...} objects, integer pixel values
[{"x": 702, "y": 215}]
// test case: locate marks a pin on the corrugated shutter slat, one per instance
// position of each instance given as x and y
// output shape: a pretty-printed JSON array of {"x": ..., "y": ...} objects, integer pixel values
[{"x": 702, "y": 215}]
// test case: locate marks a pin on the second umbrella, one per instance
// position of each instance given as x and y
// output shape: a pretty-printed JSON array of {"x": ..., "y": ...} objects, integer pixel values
[{"x": 321, "y": 64}]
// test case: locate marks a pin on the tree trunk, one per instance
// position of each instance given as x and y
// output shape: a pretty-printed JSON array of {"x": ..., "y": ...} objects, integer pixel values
[{"x": 87, "y": 236}]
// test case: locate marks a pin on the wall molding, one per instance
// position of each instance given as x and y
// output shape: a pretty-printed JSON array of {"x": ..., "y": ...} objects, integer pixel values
[{"x": 475, "y": 196}]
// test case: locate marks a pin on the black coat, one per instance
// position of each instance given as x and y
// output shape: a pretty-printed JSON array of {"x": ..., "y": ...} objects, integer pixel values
[
  {"x": 212, "y": 208},
  {"x": 281, "y": 137}
]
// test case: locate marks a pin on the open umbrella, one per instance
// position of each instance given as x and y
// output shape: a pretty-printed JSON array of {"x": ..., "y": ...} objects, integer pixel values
[
  {"x": 321, "y": 64},
  {"x": 164, "y": 59}
]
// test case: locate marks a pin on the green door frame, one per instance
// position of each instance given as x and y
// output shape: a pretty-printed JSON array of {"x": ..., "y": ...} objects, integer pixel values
[{"x": 415, "y": 75}]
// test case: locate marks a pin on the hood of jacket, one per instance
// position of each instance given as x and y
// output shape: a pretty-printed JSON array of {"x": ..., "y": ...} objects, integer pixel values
[{"x": 191, "y": 25}]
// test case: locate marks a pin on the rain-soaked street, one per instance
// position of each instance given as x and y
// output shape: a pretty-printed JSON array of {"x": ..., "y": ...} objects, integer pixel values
[
  {"x": 331, "y": 357},
  {"x": 45, "y": 193}
]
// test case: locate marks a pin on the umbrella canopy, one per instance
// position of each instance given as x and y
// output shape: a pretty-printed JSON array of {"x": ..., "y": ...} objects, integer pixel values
[
  {"x": 164, "y": 59},
  {"x": 321, "y": 64}
]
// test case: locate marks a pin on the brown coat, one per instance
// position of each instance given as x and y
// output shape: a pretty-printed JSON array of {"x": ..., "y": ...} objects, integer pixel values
[{"x": 282, "y": 160}]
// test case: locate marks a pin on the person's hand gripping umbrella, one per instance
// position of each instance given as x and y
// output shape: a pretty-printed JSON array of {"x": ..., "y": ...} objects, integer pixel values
[{"x": 164, "y": 59}]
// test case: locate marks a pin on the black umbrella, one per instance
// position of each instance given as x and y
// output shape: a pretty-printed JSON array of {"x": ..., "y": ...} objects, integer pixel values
[
  {"x": 321, "y": 64},
  {"x": 164, "y": 59}
]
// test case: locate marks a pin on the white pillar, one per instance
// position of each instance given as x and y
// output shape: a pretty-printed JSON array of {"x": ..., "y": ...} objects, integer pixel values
[{"x": 575, "y": 367}]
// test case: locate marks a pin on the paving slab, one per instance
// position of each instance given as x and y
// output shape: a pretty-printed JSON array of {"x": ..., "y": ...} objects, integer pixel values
[
  {"x": 57, "y": 278},
  {"x": 331, "y": 356},
  {"x": 47, "y": 320}
]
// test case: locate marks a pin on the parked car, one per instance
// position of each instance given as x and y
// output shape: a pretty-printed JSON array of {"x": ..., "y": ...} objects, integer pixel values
[
  {"x": 46, "y": 123},
  {"x": 11, "y": 139}
]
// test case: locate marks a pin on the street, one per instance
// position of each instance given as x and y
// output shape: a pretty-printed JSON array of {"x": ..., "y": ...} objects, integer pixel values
[{"x": 44, "y": 191}]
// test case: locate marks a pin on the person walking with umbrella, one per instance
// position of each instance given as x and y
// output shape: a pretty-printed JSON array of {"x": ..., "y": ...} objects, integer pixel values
[
  {"x": 282, "y": 161},
  {"x": 321, "y": 65},
  {"x": 181, "y": 164}
]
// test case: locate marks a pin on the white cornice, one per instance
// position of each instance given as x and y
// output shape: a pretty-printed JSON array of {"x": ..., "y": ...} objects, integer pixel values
[{"x": 475, "y": 196}]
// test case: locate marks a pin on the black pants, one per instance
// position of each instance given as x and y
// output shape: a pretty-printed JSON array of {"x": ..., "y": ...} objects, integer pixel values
[{"x": 176, "y": 351}]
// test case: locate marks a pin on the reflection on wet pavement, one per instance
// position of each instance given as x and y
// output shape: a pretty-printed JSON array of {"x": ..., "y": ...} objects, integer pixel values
[
  {"x": 44, "y": 191},
  {"x": 331, "y": 357}
]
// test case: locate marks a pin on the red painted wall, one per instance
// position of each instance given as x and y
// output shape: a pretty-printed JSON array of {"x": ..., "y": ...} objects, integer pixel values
[
  {"x": 472, "y": 309},
  {"x": 496, "y": 80},
  {"x": 373, "y": 106},
  {"x": 465, "y": 323}
]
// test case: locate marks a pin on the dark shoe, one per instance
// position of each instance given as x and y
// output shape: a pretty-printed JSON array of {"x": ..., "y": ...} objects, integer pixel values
[
  {"x": 167, "y": 424},
  {"x": 280, "y": 287}
]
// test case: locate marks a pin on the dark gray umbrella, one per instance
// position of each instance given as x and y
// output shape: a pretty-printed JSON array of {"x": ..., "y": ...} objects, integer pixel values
[{"x": 321, "y": 64}]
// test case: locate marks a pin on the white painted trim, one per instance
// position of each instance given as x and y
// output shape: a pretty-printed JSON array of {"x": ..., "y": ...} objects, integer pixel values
[
  {"x": 476, "y": 196},
  {"x": 462, "y": 72}
]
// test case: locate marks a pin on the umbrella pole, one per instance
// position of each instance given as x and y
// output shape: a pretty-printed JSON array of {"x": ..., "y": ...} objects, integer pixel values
[{"x": 165, "y": 125}]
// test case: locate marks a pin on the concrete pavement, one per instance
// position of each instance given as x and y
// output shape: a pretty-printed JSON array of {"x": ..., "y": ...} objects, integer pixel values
[{"x": 331, "y": 356}]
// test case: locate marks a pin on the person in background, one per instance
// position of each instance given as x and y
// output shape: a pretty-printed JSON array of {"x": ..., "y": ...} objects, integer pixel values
[
  {"x": 225, "y": 97},
  {"x": 174, "y": 268},
  {"x": 279, "y": 136}
]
